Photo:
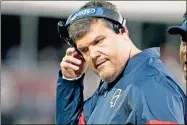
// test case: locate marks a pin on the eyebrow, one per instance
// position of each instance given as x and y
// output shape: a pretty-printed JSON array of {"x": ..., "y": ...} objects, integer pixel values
[
  {"x": 95, "y": 39},
  {"x": 98, "y": 38}
]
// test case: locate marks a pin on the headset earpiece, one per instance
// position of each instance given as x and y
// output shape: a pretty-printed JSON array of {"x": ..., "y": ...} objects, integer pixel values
[{"x": 116, "y": 28}]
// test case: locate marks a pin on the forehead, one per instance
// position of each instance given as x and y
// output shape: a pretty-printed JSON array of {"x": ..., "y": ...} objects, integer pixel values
[{"x": 98, "y": 28}]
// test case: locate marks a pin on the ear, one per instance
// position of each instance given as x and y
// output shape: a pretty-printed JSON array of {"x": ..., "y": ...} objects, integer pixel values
[{"x": 124, "y": 31}]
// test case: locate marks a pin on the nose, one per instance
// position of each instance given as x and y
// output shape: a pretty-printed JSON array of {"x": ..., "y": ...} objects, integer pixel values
[{"x": 93, "y": 52}]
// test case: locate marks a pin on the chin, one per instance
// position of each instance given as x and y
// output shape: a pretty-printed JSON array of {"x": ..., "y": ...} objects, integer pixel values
[
  {"x": 108, "y": 78},
  {"x": 108, "y": 75},
  {"x": 110, "y": 72}
]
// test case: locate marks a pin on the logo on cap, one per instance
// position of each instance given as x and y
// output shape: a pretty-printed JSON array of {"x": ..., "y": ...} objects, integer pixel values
[{"x": 83, "y": 12}]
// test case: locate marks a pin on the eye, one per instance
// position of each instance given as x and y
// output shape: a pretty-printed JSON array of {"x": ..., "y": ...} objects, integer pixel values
[
  {"x": 83, "y": 50},
  {"x": 99, "y": 41}
]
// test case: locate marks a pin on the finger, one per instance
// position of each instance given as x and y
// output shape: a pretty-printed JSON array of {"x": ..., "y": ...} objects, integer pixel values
[
  {"x": 69, "y": 66},
  {"x": 65, "y": 73},
  {"x": 71, "y": 59},
  {"x": 69, "y": 51},
  {"x": 72, "y": 73},
  {"x": 78, "y": 55},
  {"x": 75, "y": 53}
]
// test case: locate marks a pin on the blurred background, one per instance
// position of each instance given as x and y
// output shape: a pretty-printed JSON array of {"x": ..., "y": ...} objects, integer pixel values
[{"x": 31, "y": 51}]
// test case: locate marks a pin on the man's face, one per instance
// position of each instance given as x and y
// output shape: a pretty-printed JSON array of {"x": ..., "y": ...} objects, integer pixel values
[
  {"x": 183, "y": 56},
  {"x": 105, "y": 51}
]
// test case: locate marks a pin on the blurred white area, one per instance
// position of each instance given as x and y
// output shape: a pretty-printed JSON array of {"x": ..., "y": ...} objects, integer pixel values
[
  {"x": 91, "y": 82},
  {"x": 154, "y": 11},
  {"x": 9, "y": 93}
]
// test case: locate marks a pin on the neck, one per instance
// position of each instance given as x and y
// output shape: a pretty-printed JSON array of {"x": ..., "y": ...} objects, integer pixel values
[{"x": 134, "y": 51}]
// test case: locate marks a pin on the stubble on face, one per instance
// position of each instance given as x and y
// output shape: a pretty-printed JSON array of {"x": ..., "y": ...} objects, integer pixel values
[
  {"x": 107, "y": 49},
  {"x": 183, "y": 60}
]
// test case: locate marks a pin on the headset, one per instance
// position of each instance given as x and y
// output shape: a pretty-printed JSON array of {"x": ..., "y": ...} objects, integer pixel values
[
  {"x": 99, "y": 12},
  {"x": 117, "y": 20}
]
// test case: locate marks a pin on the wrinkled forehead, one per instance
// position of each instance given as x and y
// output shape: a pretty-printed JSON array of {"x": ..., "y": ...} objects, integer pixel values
[{"x": 97, "y": 27}]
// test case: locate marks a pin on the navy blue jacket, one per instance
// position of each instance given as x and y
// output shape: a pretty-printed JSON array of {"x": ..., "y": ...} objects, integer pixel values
[{"x": 145, "y": 92}]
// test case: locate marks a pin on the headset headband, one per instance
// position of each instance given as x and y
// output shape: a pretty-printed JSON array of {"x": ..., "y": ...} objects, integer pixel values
[{"x": 96, "y": 12}]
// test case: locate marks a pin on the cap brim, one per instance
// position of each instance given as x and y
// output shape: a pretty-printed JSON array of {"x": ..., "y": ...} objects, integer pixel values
[{"x": 176, "y": 30}]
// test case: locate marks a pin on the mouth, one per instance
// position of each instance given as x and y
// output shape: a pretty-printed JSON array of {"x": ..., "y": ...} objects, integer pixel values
[{"x": 100, "y": 64}]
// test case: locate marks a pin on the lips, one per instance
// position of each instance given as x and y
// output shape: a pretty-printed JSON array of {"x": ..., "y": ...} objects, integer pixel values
[{"x": 99, "y": 63}]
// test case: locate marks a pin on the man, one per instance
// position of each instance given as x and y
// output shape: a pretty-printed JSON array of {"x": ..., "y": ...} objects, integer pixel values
[
  {"x": 181, "y": 30},
  {"x": 135, "y": 87}
]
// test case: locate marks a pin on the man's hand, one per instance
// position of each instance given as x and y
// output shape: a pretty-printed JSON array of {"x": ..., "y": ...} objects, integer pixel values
[{"x": 73, "y": 64}]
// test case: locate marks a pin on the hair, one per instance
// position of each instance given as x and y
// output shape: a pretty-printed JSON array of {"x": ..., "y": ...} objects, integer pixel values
[{"x": 79, "y": 28}]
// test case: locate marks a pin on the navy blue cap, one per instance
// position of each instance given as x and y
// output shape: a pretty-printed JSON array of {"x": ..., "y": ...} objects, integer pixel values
[{"x": 178, "y": 29}]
